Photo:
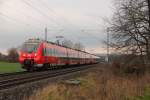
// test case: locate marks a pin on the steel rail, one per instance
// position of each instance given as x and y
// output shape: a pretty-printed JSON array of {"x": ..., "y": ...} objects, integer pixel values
[
  {"x": 15, "y": 73},
  {"x": 8, "y": 83}
]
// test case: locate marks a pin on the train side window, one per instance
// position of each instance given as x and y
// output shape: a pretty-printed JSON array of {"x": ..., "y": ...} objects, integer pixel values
[
  {"x": 54, "y": 51},
  {"x": 47, "y": 51},
  {"x": 50, "y": 53},
  {"x": 60, "y": 54},
  {"x": 44, "y": 51},
  {"x": 57, "y": 53}
]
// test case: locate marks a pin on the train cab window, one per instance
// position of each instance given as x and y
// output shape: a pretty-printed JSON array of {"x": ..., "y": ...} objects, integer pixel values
[{"x": 30, "y": 47}]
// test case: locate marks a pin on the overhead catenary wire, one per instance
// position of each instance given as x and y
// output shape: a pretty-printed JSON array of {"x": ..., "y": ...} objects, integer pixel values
[
  {"x": 40, "y": 12},
  {"x": 45, "y": 15},
  {"x": 52, "y": 11},
  {"x": 13, "y": 19},
  {"x": 16, "y": 19}
]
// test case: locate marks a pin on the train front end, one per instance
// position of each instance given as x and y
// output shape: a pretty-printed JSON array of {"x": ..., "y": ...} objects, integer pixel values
[{"x": 30, "y": 54}]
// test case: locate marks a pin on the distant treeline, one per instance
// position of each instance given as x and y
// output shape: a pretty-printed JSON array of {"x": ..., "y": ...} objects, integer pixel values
[{"x": 12, "y": 56}]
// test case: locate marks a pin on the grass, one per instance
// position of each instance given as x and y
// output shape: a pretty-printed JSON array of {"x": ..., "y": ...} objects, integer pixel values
[
  {"x": 145, "y": 96},
  {"x": 98, "y": 84},
  {"x": 6, "y": 67}
]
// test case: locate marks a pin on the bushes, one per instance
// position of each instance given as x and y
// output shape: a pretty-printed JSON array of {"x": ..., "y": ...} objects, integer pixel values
[
  {"x": 146, "y": 95},
  {"x": 98, "y": 83},
  {"x": 126, "y": 69}
]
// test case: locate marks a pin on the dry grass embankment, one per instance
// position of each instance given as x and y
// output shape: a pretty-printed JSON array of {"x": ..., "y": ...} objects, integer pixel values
[{"x": 100, "y": 83}]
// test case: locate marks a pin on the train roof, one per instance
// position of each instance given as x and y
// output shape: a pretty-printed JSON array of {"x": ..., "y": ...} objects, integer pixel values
[{"x": 40, "y": 40}]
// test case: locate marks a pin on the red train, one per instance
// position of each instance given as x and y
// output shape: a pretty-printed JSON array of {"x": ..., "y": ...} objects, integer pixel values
[{"x": 36, "y": 53}]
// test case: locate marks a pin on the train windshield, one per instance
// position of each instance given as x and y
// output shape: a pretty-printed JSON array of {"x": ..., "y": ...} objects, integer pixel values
[{"x": 30, "y": 47}]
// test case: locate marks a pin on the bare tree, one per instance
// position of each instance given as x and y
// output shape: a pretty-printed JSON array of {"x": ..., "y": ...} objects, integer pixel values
[
  {"x": 0, "y": 56},
  {"x": 13, "y": 55},
  {"x": 70, "y": 44},
  {"x": 148, "y": 2},
  {"x": 130, "y": 27},
  {"x": 67, "y": 43},
  {"x": 78, "y": 46}
]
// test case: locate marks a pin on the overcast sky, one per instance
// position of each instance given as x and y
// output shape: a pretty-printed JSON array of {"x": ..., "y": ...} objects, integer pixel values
[{"x": 76, "y": 20}]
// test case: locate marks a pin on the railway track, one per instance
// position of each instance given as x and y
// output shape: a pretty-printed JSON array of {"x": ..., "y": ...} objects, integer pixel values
[
  {"x": 9, "y": 81},
  {"x": 15, "y": 73}
]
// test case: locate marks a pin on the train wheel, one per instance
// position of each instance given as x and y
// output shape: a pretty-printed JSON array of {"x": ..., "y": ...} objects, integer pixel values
[
  {"x": 46, "y": 66},
  {"x": 30, "y": 69}
]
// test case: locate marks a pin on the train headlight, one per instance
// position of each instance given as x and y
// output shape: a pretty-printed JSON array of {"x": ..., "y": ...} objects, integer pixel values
[
  {"x": 24, "y": 55},
  {"x": 35, "y": 54}
]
